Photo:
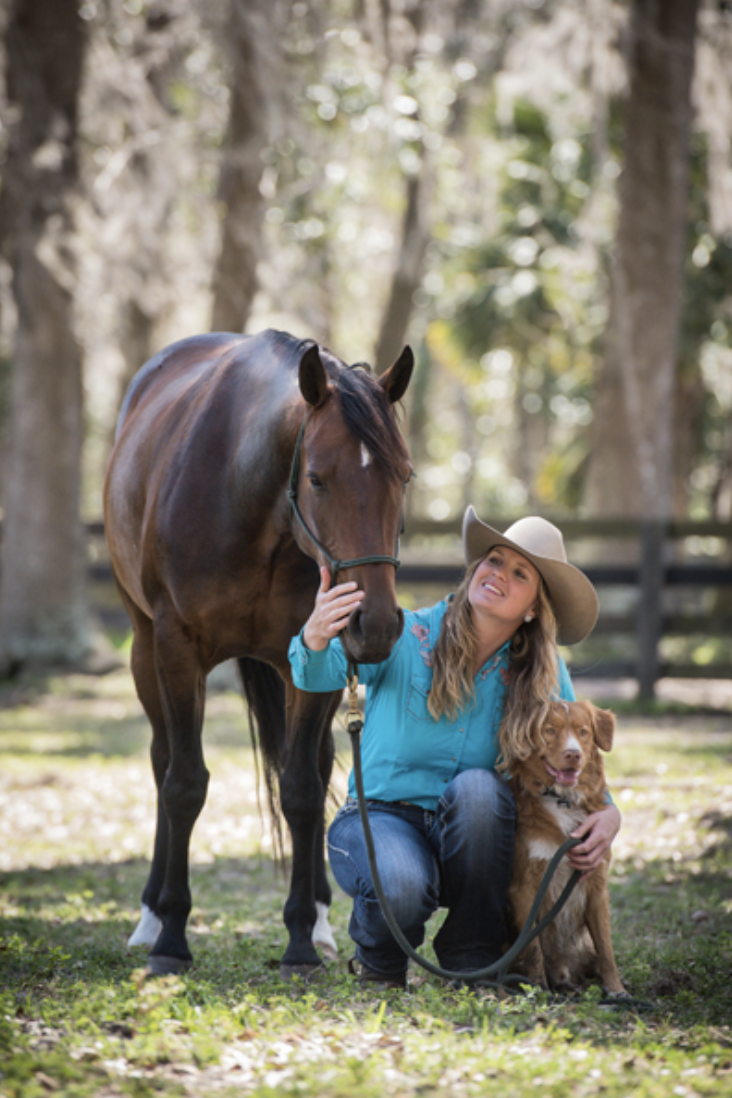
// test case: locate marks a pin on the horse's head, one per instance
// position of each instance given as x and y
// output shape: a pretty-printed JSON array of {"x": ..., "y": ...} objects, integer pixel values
[{"x": 348, "y": 489}]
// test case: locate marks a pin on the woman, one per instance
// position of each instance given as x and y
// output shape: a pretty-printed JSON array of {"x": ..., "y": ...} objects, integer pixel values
[{"x": 442, "y": 818}]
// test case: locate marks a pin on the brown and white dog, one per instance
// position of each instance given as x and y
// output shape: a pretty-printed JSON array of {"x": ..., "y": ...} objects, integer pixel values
[{"x": 561, "y": 783}]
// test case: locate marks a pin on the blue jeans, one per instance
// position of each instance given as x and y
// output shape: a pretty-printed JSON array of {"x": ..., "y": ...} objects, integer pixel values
[{"x": 458, "y": 857}]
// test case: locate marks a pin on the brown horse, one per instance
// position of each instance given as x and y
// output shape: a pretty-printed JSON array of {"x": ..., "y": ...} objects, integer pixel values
[{"x": 240, "y": 462}]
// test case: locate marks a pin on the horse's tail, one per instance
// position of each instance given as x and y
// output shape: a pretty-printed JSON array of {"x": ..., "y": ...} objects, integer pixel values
[{"x": 264, "y": 693}]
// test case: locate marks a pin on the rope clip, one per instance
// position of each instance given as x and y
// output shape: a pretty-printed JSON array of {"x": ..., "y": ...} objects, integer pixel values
[{"x": 354, "y": 717}]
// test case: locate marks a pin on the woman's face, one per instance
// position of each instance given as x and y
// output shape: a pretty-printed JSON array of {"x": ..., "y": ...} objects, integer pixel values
[{"x": 504, "y": 587}]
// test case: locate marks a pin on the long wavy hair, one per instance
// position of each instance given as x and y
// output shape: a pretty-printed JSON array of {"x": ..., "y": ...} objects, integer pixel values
[{"x": 533, "y": 666}]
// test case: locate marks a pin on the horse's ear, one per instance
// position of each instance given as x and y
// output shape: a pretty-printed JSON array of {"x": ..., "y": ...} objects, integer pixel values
[
  {"x": 604, "y": 722},
  {"x": 396, "y": 379},
  {"x": 313, "y": 378}
]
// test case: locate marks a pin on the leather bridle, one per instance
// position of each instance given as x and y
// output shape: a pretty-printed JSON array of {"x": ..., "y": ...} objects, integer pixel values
[{"x": 335, "y": 565}]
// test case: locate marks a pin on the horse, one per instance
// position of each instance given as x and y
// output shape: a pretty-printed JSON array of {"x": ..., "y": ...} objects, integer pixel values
[{"x": 241, "y": 464}]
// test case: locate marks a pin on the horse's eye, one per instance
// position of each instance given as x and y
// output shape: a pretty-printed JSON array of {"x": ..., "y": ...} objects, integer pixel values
[{"x": 315, "y": 481}]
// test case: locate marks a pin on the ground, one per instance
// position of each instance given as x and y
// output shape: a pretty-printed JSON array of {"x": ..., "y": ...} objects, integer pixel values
[{"x": 77, "y": 1016}]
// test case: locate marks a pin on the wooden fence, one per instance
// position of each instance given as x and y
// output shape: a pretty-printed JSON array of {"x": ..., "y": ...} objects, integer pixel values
[{"x": 653, "y": 587}]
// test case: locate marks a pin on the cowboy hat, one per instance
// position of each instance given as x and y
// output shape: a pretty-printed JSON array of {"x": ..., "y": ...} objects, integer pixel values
[{"x": 573, "y": 597}]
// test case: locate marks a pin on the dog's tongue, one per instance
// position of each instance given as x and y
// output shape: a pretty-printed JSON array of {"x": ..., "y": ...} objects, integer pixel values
[
  {"x": 563, "y": 777},
  {"x": 566, "y": 777}
]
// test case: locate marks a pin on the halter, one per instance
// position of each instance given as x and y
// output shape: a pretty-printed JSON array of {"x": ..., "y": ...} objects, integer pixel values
[{"x": 335, "y": 565}]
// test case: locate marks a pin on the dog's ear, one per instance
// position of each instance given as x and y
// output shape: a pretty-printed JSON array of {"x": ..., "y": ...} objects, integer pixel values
[{"x": 604, "y": 721}]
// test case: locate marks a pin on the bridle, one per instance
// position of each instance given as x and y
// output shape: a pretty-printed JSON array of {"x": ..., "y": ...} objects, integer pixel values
[{"x": 335, "y": 565}]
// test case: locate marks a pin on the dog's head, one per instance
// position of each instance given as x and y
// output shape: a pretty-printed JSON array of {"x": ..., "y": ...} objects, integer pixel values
[{"x": 565, "y": 748}]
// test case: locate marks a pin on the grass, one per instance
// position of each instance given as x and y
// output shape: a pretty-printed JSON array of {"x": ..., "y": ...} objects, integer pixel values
[{"x": 78, "y": 1018}]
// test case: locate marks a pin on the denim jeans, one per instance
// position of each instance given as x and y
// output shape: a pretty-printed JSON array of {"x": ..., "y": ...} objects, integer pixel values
[{"x": 458, "y": 857}]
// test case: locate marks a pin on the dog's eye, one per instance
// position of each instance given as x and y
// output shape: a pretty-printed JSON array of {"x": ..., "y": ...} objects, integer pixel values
[
  {"x": 583, "y": 732},
  {"x": 550, "y": 732}
]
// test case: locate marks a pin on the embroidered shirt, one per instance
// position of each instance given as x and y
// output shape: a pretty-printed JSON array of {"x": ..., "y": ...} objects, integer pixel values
[{"x": 406, "y": 754}]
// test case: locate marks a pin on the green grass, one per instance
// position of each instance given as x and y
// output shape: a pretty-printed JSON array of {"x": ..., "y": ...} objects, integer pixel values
[{"x": 77, "y": 1017}]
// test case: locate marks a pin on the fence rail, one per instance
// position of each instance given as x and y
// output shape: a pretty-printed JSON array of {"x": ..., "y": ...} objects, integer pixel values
[{"x": 655, "y": 577}]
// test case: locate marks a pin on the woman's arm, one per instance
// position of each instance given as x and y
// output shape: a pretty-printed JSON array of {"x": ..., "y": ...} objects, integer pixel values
[{"x": 317, "y": 664}]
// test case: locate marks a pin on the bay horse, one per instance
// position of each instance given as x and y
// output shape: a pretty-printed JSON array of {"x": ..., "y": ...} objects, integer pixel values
[{"x": 241, "y": 464}]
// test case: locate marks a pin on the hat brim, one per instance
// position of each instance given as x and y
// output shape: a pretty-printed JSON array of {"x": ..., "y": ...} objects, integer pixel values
[{"x": 574, "y": 599}]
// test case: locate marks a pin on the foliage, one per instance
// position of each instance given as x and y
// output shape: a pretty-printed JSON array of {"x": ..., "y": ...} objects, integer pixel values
[
  {"x": 509, "y": 114},
  {"x": 78, "y": 1018}
]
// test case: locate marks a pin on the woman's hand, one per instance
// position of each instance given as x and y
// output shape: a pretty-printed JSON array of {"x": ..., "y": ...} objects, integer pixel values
[
  {"x": 598, "y": 832},
  {"x": 331, "y": 612}
]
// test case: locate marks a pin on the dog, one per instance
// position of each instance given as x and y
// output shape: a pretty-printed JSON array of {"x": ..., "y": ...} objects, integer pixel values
[{"x": 556, "y": 787}]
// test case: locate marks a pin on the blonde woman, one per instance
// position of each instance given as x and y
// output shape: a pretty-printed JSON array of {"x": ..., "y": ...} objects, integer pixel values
[{"x": 442, "y": 817}]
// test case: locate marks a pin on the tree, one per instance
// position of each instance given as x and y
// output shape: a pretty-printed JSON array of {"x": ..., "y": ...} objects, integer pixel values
[
  {"x": 43, "y": 600},
  {"x": 631, "y": 464},
  {"x": 254, "y": 35}
]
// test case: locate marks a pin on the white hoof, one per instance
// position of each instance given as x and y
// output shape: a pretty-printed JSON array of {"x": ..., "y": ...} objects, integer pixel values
[
  {"x": 148, "y": 929},
  {"x": 323, "y": 935}
]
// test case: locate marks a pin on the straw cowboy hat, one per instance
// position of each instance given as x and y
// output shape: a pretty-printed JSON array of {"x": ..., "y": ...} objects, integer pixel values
[{"x": 573, "y": 597}]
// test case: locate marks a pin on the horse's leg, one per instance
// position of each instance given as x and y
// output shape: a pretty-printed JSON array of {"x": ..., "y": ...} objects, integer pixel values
[
  {"x": 322, "y": 933},
  {"x": 185, "y": 782},
  {"x": 148, "y": 691},
  {"x": 302, "y": 795}
]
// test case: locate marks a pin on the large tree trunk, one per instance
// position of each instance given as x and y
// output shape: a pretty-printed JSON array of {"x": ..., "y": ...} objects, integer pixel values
[
  {"x": 256, "y": 58},
  {"x": 416, "y": 235},
  {"x": 43, "y": 604},
  {"x": 631, "y": 465}
]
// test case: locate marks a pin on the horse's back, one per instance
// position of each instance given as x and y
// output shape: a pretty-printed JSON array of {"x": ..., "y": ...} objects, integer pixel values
[
  {"x": 194, "y": 475},
  {"x": 195, "y": 352},
  {"x": 200, "y": 357}
]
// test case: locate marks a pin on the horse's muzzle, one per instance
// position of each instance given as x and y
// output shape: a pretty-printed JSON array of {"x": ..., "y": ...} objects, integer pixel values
[{"x": 370, "y": 636}]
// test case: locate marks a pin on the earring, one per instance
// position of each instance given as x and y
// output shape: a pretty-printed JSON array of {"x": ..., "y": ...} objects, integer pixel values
[{"x": 528, "y": 618}]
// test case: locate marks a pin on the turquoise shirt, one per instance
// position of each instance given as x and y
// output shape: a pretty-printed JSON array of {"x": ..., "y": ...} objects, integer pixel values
[{"x": 406, "y": 754}]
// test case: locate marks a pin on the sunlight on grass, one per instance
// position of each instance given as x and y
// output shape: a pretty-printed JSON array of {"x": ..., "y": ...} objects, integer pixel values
[{"x": 77, "y": 1016}]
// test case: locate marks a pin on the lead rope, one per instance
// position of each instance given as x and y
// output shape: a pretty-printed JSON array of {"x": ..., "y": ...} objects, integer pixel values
[{"x": 497, "y": 974}]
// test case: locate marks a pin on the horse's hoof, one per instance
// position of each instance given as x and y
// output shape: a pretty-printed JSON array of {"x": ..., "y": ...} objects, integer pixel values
[
  {"x": 306, "y": 973},
  {"x": 159, "y": 965}
]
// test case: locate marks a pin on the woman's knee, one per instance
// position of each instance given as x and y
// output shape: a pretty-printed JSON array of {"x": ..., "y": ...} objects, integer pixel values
[
  {"x": 480, "y": 793},
  {"x": 408, "y": 872}
]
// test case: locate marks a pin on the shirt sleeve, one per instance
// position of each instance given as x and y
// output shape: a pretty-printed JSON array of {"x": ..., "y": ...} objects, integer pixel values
[
  {"x": 566, "y": 687},
  {"x": 317, "y": 672}
]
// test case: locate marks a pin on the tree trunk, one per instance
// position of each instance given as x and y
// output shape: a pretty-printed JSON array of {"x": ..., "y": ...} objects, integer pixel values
[
  {"x": 256, "y": 60},
  {"x": 631, "y": 464},
  {"x": 416, "y": 235},
  {"x": 43, "y": 602}
]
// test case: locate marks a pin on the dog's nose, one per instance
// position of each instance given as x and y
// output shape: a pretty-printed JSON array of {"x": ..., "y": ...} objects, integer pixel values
[{"x": 572, "y": 760}]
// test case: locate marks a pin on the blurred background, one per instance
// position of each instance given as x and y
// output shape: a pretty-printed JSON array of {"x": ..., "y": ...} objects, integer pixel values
[{"x": 536, "y": 195}]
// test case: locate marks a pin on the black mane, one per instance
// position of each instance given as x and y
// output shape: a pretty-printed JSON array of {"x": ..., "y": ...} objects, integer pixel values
[{"x": 370, "y": 417}]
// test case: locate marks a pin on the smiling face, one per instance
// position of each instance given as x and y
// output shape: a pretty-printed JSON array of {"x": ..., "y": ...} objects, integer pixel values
[{"x": 504, "y": 587}]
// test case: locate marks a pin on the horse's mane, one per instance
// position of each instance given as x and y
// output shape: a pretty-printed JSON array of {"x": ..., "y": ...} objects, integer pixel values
[
  {"x": 367, "y": 411},
  {"x": 369, "y": 416}
]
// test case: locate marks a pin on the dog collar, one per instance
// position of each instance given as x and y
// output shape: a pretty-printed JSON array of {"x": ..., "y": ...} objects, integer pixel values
[{"x": 561, "y": 799}]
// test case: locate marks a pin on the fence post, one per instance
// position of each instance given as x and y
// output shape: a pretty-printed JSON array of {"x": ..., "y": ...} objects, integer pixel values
[{"x": 650, "y": 608}]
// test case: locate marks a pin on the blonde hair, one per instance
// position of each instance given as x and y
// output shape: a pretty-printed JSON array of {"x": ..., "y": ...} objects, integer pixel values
[
  {"x": 533, "y": 667},
  {"x": 453, "y": 656}
]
